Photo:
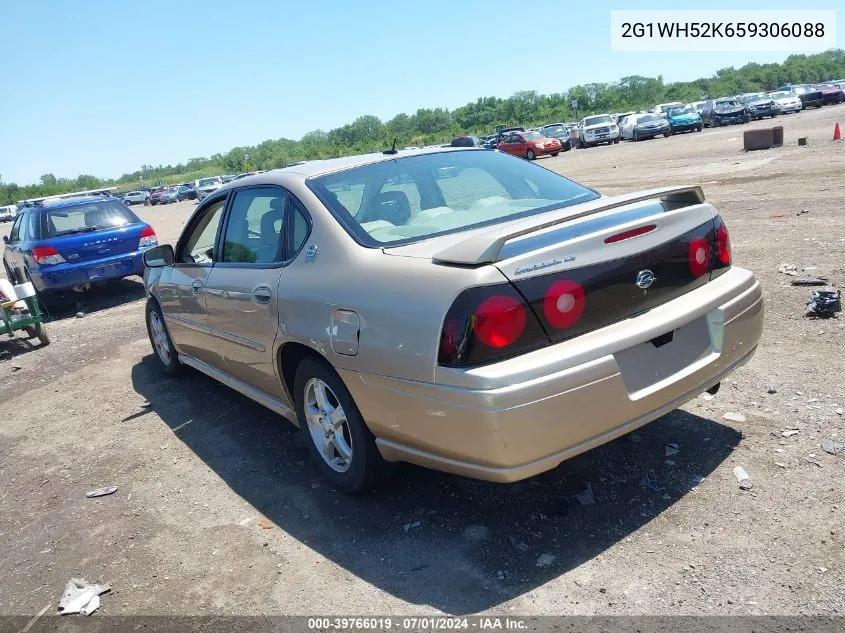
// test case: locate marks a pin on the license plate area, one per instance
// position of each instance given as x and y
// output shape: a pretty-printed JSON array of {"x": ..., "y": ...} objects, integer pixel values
[
  {"x": 666, "y": 358},
  {"x": 105, "y": 271}
]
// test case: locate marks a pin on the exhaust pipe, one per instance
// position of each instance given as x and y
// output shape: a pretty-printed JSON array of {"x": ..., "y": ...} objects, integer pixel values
[{"x": 82, "y": 288}]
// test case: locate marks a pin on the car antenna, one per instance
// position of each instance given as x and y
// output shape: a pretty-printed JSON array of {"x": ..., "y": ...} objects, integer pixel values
[{"x": 392, "y": 150}]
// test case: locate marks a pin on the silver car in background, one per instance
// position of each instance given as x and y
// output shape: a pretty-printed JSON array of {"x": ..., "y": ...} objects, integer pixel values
[
  {"x": 8, "y": 213},
  {"x": 459, "y": 309},
  {"x": 136, "y": 197},
  {"x": 205, "y": 186}
]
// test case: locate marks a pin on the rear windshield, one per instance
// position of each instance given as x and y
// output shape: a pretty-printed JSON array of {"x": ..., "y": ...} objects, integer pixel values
[
  {"x": 682, "y": 110},
  {"x": 417, "y": 197},
  {"x": 649, "y": 117},
  {"x": 204, "y": 182},
  {"x": 781, "y": 95},
  {"x": 597, "y": 120},
  {"x": 83, "y": 218}
]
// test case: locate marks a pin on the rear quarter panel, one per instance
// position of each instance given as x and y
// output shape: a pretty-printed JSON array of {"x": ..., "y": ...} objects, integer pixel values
[{"x": 400, "y": 301}]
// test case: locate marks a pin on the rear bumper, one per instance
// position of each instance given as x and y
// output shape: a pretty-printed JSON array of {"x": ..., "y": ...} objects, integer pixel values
[
  {"x": 523, "y": 416},
  {"x": 64, "y": 276}
]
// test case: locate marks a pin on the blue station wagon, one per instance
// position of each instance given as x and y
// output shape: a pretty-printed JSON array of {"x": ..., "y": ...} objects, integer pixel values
[{"x": 72, "y": 243}]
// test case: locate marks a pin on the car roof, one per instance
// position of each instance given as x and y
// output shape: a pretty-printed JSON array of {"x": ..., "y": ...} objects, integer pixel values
[
  {"x": 71, "y": 202},
  {"x": 312, "y": 168}
]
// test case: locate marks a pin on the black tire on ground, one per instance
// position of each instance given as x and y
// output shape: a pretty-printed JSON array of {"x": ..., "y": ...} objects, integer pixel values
[
  {"x": 699, "y": 128},
  {"x": 635, "y": 136},
  {"x": 616, "y": 140},
  {"x": 555, "y": 154},
  {"x": 167, "y": 359},
  {"x": 530, "y": 155},
  {"x": 367, "y": 468}
]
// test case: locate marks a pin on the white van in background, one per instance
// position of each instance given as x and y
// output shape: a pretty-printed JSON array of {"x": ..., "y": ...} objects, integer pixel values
[{"x": 8, "y": 213}]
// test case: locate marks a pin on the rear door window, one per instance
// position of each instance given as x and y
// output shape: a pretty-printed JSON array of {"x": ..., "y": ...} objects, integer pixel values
[{"x": 254, "y": 227}]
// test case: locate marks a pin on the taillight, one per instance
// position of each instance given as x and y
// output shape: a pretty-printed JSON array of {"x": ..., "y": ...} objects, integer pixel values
[
  {"x": 499, "y": 321},
  {"x": 148, "y": 237},
  {"x": 700, "y": 255},
  {"x": 564, "y": 303},
  {"x": 723, "y": 243},
  {"x": 47, "y": 256},
  {"x": 487, "y": 324}
]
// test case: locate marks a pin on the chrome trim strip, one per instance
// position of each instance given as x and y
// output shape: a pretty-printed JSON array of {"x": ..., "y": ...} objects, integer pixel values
[
  {"x": 237, "y": 340},
  {"x": 188, "y": 323}
]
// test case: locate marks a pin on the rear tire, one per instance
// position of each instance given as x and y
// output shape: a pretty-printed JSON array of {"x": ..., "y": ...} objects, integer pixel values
[
  {"x": 160, "y": 340},
  {"x": 555, "y": 154},
  {"x": 347, "y": 455}
]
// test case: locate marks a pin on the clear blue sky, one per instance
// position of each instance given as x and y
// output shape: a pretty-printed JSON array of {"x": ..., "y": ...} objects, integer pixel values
[{"x": 104, "y": 87}]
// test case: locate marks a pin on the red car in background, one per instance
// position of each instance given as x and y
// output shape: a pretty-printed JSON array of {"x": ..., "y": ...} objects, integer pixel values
[
  {"x": 831, "y": 93},
  {"x": 155, "y": 195},
  {"x": 529, "y": 145}
]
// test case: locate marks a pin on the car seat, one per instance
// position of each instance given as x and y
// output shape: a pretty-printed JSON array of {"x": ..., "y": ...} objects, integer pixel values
[{"x": 392, "y": 206}]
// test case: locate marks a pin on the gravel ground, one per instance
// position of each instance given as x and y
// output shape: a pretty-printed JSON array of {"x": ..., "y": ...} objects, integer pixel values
[{"x": 201, "y": 467}]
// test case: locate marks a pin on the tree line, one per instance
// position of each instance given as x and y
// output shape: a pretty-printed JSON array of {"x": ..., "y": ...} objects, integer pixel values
[{"x": 427, "y": 126}]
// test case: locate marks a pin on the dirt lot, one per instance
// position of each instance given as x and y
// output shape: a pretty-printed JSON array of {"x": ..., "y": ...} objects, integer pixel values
[{"x": 199, "y": 468}]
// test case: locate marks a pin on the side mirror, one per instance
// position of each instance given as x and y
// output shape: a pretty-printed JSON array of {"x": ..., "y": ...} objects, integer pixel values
[
  {"x": 6, "y": 239},
  {"x": 159, "y": 256}
]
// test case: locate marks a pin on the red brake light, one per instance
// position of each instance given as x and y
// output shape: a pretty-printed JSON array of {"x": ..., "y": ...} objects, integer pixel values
[
  {"x": 47, "y": 255},
  {"x": 626, "y": 235},
  {"x": 723, "y": 244},
  {"x": 148, "y": 237},
  {"x": 486, "y": 324},
  {"x": 699, "y": 256},
  {"x": 499, "y": 321},
  {"x": 564, "y": 303}
]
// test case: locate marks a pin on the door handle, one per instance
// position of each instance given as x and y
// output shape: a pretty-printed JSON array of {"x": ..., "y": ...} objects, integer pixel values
[
  {"x": 197, "y": 286},
  {"x": 262, "y": 295}
]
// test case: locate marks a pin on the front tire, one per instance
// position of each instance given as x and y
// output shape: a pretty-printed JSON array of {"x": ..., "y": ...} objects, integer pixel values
[
  {"x": 555, "y": 154},
  {"x": 530, "y": 155},
  {"x": 338, "y": 440},
  {"x": 161, "y": 341}
]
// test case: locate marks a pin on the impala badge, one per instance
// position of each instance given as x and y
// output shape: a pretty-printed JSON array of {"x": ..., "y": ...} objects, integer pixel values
[{"x": 645, "y": 278}]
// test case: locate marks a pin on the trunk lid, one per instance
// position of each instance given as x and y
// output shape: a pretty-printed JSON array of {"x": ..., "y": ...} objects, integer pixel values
[{"x": 101, "y": 244}]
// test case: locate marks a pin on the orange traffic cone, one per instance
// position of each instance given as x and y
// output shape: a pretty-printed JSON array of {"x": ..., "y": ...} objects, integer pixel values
[{"x": 837, "y": 132}]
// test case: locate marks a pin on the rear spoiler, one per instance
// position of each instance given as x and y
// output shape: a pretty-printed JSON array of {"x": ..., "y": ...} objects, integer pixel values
[{"x": 485, "y": 248}]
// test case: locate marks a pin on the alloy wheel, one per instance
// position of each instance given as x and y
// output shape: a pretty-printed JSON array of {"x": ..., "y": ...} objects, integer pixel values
[
  {"x": 160, "y": 342},
  {"x": 327, "y": 425}
]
